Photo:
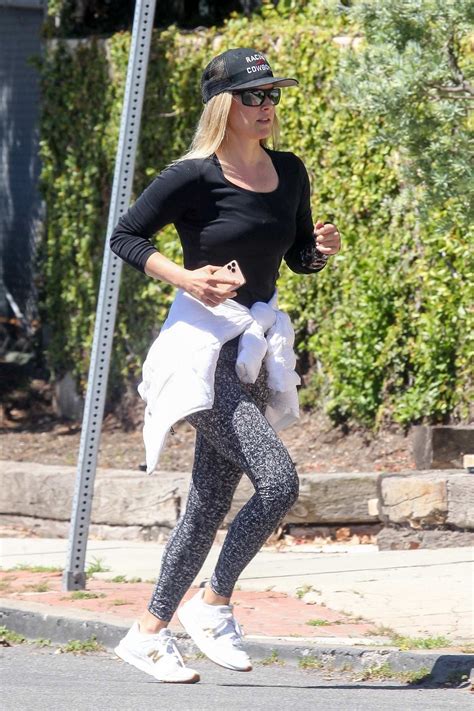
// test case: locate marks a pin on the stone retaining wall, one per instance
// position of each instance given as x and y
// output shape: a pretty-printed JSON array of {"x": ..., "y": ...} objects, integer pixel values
[
  {"x": 40, "y": 496},
  {"x": 132, "y": 505}
]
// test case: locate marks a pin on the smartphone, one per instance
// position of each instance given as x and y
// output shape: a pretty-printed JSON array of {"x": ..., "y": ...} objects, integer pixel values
[{"x": 231, "y": 269}]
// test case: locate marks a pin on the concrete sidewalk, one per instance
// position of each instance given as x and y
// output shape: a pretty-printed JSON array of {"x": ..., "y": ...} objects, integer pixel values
[
  {"x": 350, "y": 590},
  {"x": 317, "y": 606}
]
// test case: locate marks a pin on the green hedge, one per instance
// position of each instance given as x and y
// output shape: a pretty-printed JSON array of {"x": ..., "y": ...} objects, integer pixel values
[{"x": 383, "y": 329}]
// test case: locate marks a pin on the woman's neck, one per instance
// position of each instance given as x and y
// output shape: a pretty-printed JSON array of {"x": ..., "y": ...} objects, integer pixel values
[{"x": 240, "y": 153}]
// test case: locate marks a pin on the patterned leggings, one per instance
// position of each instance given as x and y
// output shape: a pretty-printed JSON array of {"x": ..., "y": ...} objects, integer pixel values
[{"x": 233, "y": 437}]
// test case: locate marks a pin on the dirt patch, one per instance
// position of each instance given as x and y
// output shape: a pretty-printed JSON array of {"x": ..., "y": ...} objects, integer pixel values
[{"x": 30, "y": 431}]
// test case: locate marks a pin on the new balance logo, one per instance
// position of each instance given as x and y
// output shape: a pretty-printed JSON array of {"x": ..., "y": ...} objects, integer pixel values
[{"x": 155, "y": 655}]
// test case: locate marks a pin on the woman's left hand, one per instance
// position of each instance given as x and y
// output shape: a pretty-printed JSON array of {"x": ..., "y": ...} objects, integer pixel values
[{"x": 328, "y": 239}]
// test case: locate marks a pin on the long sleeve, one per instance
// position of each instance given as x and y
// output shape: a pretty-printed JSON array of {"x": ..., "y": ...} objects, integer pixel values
[
  {"x": 303, "y": 257},
  {"x": 162, "y": 203}
]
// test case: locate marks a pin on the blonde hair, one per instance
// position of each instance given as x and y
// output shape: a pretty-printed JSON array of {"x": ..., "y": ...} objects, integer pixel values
[{"x": 211, "y": 129}]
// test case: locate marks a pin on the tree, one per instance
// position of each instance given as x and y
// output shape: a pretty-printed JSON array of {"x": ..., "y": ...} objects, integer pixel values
[
  {"x": 410, "y": 71},
  {"x": 73, "y": 18}
]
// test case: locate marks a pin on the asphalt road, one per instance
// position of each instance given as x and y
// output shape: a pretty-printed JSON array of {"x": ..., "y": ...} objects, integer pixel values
[{"x": 38, "y": 679}]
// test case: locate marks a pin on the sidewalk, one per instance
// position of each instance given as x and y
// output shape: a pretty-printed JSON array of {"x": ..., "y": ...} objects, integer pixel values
[{"x": 304, "y": 596}]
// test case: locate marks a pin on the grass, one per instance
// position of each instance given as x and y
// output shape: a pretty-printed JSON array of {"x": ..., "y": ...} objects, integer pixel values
[
  {"x": 377, "y": 671},
  {"x": 10, "y": 637},
  {"x": 318, "y": 622},
  {"x": 385, "y": 671},
  {"x": 96, "y": 566},
  {"x": 301, "y": 592},
  {"x": 310, "y": 662},
  {"x": 381, "y": 631},
  {"x": 404, "y": 642},
  {"x": 420, "y": 642},
  {"x": 119, "y": 601},
  {"x": 39, "y": 587},
  {"x": 124, "y": 579},
  {"x": 467, "y": 649},
  {"x": 119, "y": 579},
  {"x": 42, "y": 642},
  {"x": 272, "y": 659},
  {"x": 77, "y": 646},
  {"x": 5, "y": 585},
  {"x": 84, "y": 595},
  {"x": 35, "y": 568}
]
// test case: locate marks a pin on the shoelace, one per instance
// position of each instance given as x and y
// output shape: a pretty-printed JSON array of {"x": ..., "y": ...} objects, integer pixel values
[
  {"x": 168, "y": 645},
  {"x": 229, "y": 626},
  {"x": 171, "y": 648}
]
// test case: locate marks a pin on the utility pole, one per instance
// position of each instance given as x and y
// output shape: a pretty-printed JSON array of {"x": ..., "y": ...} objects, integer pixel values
[{"x": 74, "y": 577}]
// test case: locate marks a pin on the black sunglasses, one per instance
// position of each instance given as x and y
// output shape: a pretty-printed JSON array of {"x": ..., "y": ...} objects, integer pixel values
[{"x": 256, "y": 97}]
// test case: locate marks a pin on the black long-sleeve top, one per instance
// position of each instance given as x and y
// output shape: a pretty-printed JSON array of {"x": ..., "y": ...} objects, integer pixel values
[{"x": 218, "y": 221}]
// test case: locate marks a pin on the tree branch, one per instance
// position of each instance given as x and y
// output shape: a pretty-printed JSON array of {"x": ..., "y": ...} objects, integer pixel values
[
  {"x": 465, "y": 88},
  {"x": 456, "y": 70}
]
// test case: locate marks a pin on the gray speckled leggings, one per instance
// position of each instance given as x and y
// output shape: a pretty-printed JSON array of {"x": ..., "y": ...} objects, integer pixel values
[{"x": 232, "y": 438}]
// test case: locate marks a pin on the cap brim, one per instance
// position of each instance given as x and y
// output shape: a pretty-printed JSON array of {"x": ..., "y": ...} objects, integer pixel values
[{"x": 277, "y": 81}]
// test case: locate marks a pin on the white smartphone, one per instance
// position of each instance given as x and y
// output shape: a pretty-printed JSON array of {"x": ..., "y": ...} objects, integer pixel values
[{"x": 231, "y": 269}]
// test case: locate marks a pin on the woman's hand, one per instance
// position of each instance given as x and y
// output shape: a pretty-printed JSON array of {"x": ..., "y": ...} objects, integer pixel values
[
  {"x": 201, "y": 284},
  {"x": 328, "y": 239}
]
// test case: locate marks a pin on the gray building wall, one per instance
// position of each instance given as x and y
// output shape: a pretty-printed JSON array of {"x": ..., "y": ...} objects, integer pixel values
[{"x": 20, "y": 202}]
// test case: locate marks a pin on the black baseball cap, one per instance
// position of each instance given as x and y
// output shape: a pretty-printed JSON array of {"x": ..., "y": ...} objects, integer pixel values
[{"x": 241, "y": 68}]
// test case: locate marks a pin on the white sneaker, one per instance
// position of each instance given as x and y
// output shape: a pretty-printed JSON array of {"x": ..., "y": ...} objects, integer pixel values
[
  {"x": 215, "y": 631},
  {"x": 155, "y": 654}
]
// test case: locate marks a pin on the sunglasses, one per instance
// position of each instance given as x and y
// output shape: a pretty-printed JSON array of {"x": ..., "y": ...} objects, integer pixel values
[{"x": 256, "y": 97}]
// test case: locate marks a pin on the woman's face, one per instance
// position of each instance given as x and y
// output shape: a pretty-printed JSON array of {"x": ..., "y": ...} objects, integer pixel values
[{"x": 252, "y": 122}]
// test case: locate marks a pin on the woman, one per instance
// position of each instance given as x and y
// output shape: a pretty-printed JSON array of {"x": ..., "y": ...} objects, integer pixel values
[{"x": 231, "y": 199}]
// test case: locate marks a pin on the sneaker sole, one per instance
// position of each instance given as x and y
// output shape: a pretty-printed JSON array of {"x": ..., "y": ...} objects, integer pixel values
[
  {"x": 201, "y": 641},
  {"x": 126, "y": 656}
]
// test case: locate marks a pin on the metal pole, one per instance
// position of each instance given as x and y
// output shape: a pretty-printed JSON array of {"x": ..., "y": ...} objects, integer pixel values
[{"x": 74, "y": 577}]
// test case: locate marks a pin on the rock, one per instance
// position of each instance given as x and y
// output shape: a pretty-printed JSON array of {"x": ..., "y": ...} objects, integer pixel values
[
  {"x": 417, "y": 499},
  {"x": 461, "y": 501},
  {"x": 121, "y": 497},
  {"x": 395, "y": 538},
  {"x": 373, "y": 507},
  {"x": 335, "y": 498},
  {"x": 323, "y": 499},
  {"x": 424, "y": 499},
  {"x": 49, "y": 528},
  {"x": 442, "y": 446}
]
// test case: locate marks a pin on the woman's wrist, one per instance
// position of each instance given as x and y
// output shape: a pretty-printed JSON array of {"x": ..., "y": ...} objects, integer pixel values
[
  {"x": 160, "y": 267},
  {"x": 312, "y": 258}
]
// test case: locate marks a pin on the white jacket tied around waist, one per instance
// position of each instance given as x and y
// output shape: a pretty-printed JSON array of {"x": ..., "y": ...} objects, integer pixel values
[{"x": 178, "y": 373}]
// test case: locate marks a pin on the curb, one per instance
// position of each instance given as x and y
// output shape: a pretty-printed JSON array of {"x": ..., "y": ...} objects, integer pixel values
[{"x": 440, "y": 667}]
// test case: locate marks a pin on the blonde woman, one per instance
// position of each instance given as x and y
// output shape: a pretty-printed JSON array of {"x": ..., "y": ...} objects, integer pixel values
[{"x": 223, "y": 360}]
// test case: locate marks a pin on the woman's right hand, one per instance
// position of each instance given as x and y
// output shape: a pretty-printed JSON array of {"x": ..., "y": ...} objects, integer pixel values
[{"x": 203, "y": 286}]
